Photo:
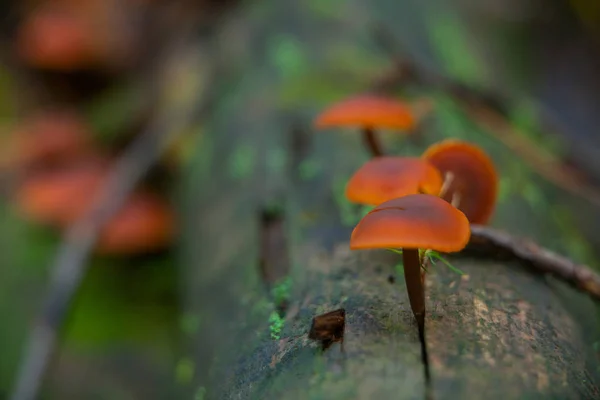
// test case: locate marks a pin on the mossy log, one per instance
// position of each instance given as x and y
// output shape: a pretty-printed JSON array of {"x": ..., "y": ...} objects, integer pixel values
[{"x": 501, "y": 332}]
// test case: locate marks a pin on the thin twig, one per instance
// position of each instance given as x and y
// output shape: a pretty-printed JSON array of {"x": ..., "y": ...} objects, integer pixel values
[
  {"x": 69, "y": 265},
  {"x": 490, "y": 240}
]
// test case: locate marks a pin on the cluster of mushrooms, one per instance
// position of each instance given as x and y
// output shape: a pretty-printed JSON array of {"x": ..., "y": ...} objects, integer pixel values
[
  {"x": 58, "y": 164},
  {"x": 61, "y": 172},
  {"x": 422, "y": 204}
]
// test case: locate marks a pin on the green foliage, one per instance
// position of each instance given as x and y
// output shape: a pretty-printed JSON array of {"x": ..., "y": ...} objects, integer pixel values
[
  {"x": 433, "y": 256},
  {"x": 118, "y": 303},
  {"x": 276, "y": 323},
  {"x": 281, "y": 291}
]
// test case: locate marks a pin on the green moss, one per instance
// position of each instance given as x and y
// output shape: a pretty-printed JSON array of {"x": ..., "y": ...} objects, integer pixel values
[
  {"x": 287, "y": 54},
  {"x": 200, "y": 393},
  {"x": 184, "y": 371},
  {"x": 281, "y": 291},
  {"x": 242, "y": 161},
  {"x": 399, "y": 268},
  {"x": 309, "y": 169},
  {"x": 190, "y": 323},
  {"x": 276, "y": 324}
]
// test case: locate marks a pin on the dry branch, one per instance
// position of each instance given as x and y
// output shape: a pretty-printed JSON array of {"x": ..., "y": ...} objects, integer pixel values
[{"x": 492, "y": 241}]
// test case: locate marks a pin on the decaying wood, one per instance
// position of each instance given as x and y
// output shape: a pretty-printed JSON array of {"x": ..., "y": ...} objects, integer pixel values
[
  {"x": 328, "y": 328},
  {"x": 497, "y": 243},
  {"x": 501, "y": 332}
]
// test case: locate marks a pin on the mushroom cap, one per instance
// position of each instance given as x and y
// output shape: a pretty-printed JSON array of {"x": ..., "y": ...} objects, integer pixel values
[
  {"x": 385, "y": 178},
  {"x": 55, "y": 136},
  {"x": 416, "y": 221},
  {"x": 55, "y": 38},
  {"x": 474, "y": 177},
  {"x": 144, "y": 224},
  {"x": 368, "y": 111},
  {"x": 58, "y": 196}
]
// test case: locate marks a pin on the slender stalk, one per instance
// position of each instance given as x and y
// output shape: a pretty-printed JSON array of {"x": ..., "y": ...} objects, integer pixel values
[
  {"x": 448, "y": 179},
  {"x": 372, "y": 142},
  {"x": 456, "y": 198},
  {"x": 414, "y": 285}
]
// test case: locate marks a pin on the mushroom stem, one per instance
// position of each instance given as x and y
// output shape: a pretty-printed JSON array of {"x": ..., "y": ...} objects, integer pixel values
[
  {"x": 414, "y": 285},
  {"x": 456, "y": 198},
  {"x": 372, "y": 142},
  {"x": 448, "y": 179}
]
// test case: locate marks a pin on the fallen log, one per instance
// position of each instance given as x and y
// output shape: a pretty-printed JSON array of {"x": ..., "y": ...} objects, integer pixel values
[
  {"x": 269, "y": 250},
  {"x": 500, "y": 332}
]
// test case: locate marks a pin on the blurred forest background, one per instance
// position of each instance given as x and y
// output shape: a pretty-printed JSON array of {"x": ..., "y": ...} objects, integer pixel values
[{"x": 82, "y": 80}]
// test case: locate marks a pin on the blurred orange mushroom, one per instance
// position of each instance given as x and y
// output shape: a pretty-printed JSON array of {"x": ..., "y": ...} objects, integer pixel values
[
  {"x": 144, "y": 224},
  {"x": 470, "y": 179},
  {"x": 52, "y": 137},
  {"x": 56, "y": 197},
  {"x": 368, "y": 112},
  {"x": 385, "y": 178},
  {"x": 410, "y": 223},
  {"x": 53, "y": 37},
  {"x": 59, "y": 197}
]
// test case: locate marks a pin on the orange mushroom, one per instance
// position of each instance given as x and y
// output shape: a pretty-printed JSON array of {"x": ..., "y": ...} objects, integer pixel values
[
  {"x": 144, "y": 224},
  {"x": 367, "y": 112},
  {"x": 385, "y": 178},
  {"x": 58, "y": 196},
  {"x": 470, "y": 179},
  {"x": 52, "y": 137},
  {"x": 54, "y": 38},
  {"x": 410, "y": 223}
]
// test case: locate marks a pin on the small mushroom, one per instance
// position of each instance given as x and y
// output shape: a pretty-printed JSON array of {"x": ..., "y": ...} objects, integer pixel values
[
  {"x": 368, "y": 112},
  {"x": 470, "y": 179},
  {"x": 410, "y": 223},
  {"x": 144, "y": 224},
  {"x": 53, "y": 37},
  {"x": 385, "y": 178},
  {"x": 58, "y": 196},
  {"x": 52, "y": 137}
]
